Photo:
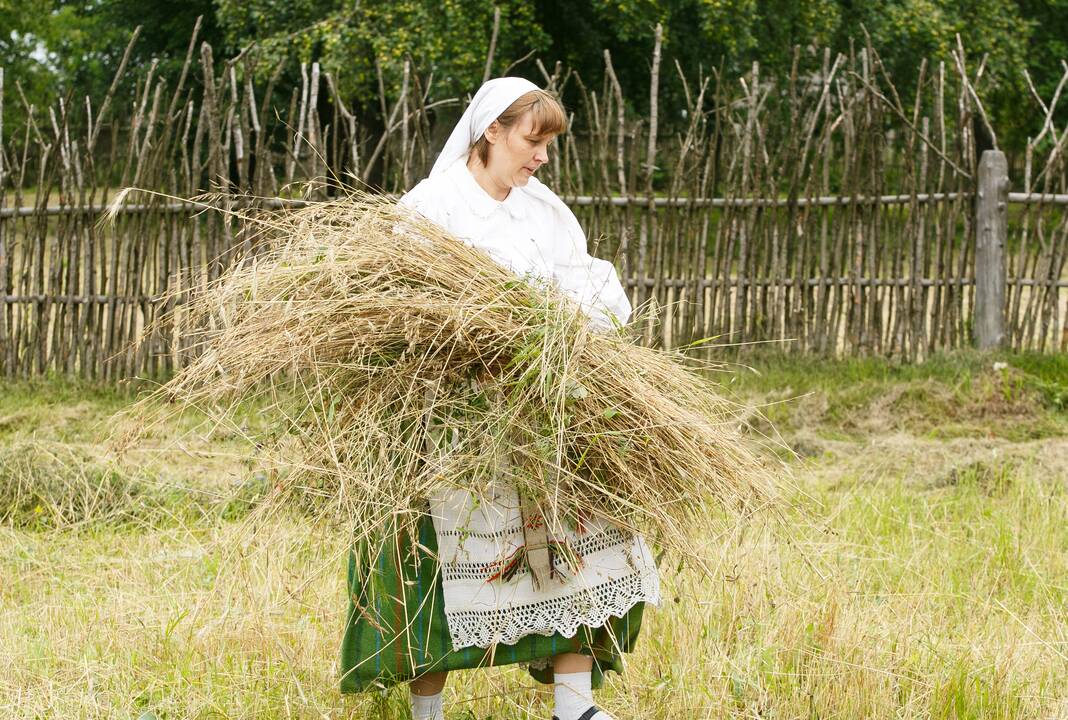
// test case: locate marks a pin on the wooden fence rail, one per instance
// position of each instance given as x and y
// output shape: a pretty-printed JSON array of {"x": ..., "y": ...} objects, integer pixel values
[{"x": 809, "y": 210}]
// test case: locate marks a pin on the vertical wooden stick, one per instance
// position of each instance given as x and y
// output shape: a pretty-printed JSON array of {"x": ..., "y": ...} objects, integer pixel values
[{"x": 991, "y": 230}]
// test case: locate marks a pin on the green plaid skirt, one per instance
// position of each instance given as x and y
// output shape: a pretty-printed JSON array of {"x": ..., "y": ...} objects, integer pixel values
[{"x": 396, "y": 628}]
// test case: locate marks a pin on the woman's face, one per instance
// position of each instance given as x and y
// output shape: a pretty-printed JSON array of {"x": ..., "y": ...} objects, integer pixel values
[{"x": 515, "y": 153}]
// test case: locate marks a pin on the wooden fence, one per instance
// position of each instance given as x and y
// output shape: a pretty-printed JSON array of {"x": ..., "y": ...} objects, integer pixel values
[{"x": 818, "y": 210}]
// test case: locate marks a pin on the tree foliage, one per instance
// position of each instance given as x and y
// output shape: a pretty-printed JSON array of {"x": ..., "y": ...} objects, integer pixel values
[
  {"x": 356, "y": 40},
  {"x": 61, "y": 45}
]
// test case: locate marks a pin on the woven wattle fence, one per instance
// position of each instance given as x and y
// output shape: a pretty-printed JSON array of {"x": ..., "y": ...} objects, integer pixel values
[{"x": 818, "y": 211}]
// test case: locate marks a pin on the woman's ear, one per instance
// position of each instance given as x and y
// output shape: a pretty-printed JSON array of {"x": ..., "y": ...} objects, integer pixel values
[{"x": 492, "y": 132}]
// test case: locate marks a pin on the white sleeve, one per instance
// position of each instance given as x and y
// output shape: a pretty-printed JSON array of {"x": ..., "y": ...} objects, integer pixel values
[
  {"x": 422, "y": 201},
  {"x": 421, "y": 198},
  {"x": 592, "y": 282}
]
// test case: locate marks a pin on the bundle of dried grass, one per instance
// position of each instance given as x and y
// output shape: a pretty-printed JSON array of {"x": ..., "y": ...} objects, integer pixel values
[{"x": 400, "y": 361}]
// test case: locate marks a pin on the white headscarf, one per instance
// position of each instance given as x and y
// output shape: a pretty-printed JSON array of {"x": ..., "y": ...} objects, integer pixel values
[
  {"x": 589, "y": 277},
  {"x": 492, "y": 99}
]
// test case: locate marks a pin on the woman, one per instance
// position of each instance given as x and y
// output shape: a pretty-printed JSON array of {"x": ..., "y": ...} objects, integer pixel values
[{"x": 447, "y": 605}]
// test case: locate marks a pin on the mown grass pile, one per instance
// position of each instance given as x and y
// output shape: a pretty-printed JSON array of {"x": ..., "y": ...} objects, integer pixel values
[
  {"x": 403, "y": 361},
  {"x": 50, "y": 485},
  {"x": 47, "y": 485}
]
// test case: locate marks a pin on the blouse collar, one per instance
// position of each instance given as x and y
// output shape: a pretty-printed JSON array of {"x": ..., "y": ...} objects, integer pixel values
[{"x": 481, "y": 202}]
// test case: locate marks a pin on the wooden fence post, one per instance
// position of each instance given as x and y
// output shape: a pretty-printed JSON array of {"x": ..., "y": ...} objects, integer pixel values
[{"x": 991, "y": 231}]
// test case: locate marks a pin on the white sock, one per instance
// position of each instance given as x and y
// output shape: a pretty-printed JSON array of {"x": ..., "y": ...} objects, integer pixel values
[
  {"x": 574, "y": 696},
  {"x": 427, "y": 707}
]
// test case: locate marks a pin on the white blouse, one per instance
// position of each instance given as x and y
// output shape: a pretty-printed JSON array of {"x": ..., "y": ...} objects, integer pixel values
[{"x": 525, "y": 234}]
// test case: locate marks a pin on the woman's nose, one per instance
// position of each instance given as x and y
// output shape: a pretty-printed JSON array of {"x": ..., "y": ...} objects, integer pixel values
[{"x": 541, "y": 155}]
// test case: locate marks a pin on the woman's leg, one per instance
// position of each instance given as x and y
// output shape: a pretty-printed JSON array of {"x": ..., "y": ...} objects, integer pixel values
[
  {"x": 426, "y": 696},
  {"x": 572, "y": 663},
  {"x": 429, "y": 683},
  {"x": 573, "y": 693}
]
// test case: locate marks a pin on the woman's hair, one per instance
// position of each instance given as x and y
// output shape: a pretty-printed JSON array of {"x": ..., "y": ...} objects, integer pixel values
[{"x": 549, "y": 119}]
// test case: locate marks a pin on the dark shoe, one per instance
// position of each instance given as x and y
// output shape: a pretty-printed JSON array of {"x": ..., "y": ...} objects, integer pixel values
[{"x": 593, "y": 710}]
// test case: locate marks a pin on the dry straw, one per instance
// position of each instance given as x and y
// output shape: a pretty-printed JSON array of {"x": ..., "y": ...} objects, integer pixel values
[{"x": 398, "y": 361}]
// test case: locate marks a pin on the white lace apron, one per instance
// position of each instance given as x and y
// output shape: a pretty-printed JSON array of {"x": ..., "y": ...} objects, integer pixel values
[{"x": 490, "y": 598}]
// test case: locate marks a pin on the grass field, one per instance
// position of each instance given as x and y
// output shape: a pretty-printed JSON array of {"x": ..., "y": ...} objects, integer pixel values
[{"x": 922, "y": 572}]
